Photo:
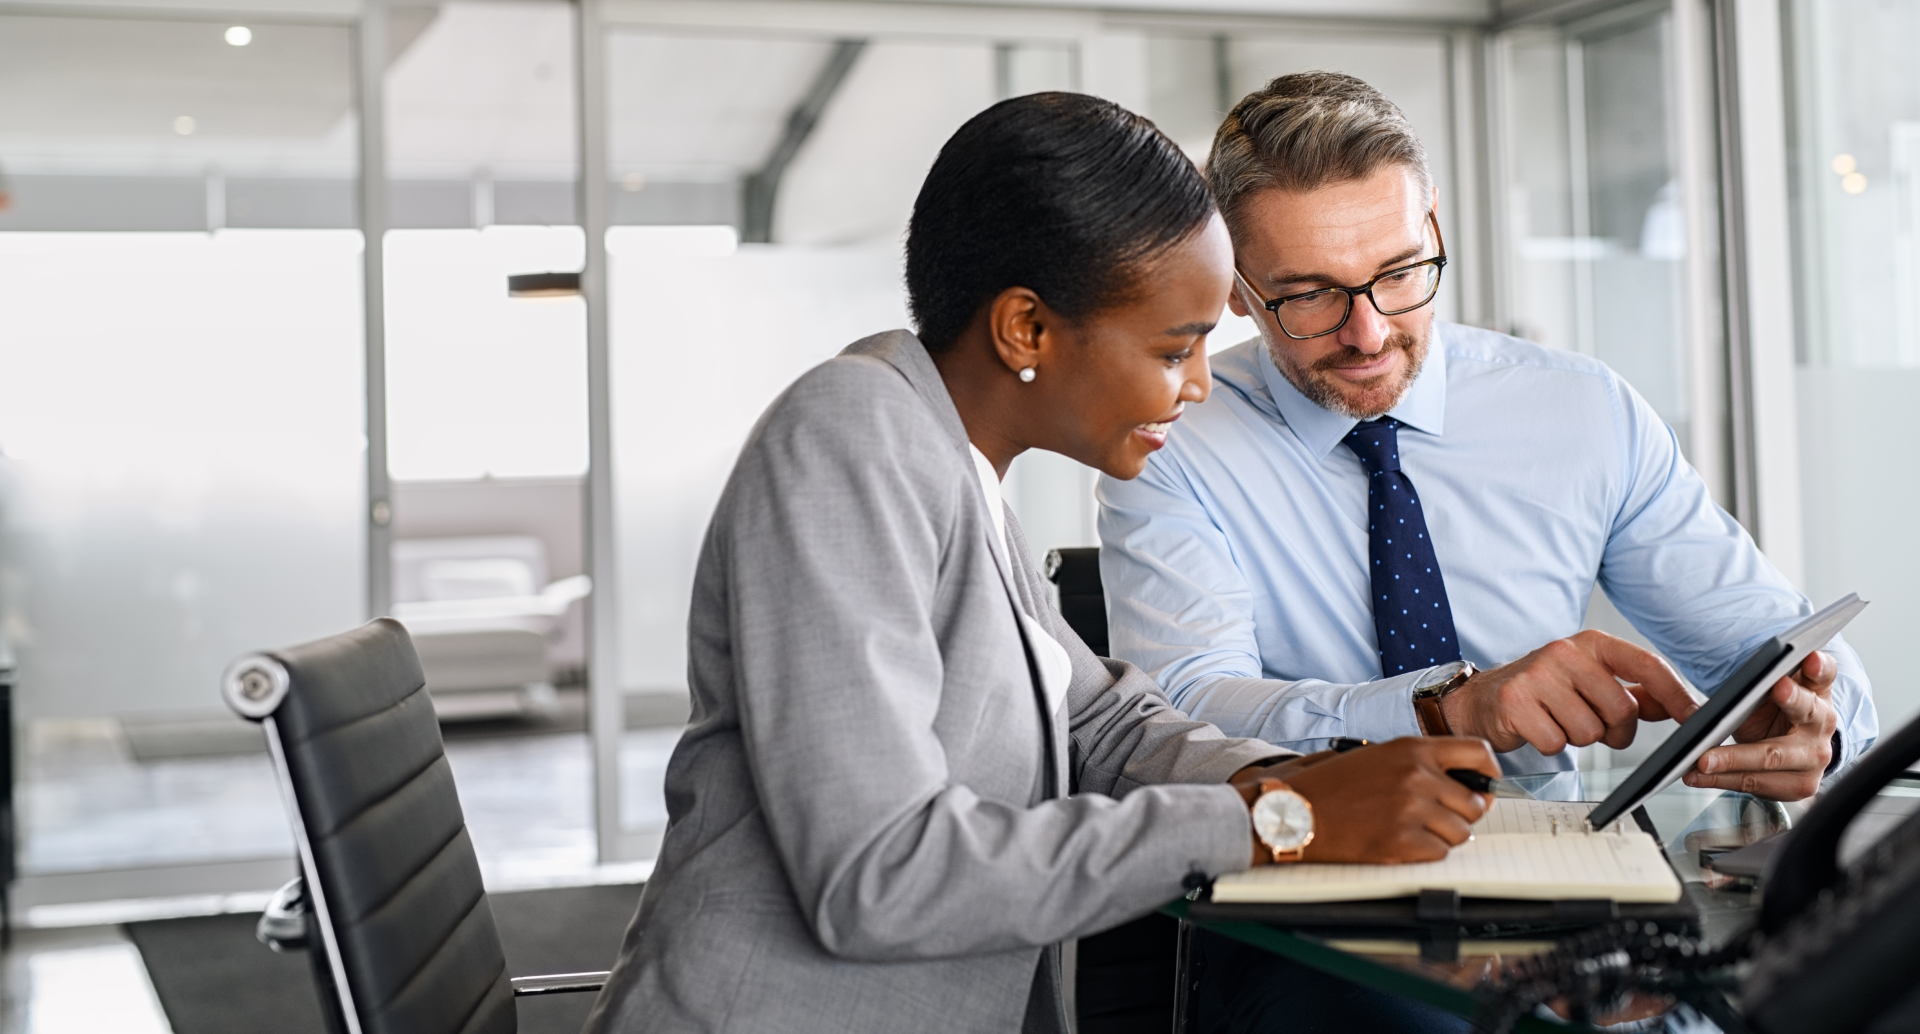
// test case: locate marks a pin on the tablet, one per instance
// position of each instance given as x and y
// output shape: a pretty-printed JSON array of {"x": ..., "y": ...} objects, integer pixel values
[{"x": 1737, "y": 698}]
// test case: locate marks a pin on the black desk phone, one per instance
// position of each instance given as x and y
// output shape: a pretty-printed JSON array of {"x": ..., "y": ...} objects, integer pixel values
[
  {"x": 1834, "y": 950},
  {"x": 1838, "y": 950}
]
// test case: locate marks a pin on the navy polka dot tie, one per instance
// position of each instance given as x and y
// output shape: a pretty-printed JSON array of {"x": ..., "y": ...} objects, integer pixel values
[{"x": 1410, "y": 612}]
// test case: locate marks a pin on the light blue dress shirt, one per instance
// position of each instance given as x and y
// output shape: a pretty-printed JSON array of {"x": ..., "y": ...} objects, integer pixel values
[{"x": 1235, "y": 566}]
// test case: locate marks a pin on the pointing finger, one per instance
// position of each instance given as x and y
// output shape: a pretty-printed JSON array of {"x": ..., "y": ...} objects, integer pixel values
[{"x": 1656, "y": 683}]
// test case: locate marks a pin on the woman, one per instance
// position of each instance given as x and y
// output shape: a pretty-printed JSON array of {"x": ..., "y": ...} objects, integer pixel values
[{"x": 871, "y": 827}]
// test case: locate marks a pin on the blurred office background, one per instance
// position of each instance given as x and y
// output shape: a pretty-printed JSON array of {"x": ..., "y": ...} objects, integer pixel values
[{"x": 261, "y": 377}]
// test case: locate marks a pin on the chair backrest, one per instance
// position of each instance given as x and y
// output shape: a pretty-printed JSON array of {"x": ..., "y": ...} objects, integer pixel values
[
  {"x": 1083, "y": 603},
  {"x": 392, "y": 881}
]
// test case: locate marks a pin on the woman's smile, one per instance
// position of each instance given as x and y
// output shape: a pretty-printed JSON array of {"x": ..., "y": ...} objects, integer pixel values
[{"x": 1155, "y": 434}]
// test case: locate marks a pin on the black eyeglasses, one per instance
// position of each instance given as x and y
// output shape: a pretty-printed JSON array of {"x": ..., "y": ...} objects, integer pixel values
[{"x": 1321, "y": 312}]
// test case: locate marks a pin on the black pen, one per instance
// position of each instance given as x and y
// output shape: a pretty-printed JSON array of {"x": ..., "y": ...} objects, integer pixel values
[{"x": 1472, "y": 778}]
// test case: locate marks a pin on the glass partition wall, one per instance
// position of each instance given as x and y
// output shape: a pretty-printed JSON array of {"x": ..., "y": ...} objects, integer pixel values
[
  {"x": 1855, "y": 125},
  {"x": 182, "y": 451},
  {"x": 734, "y": 180}
]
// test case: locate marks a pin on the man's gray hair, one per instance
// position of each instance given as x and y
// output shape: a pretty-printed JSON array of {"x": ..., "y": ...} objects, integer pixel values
[{"x": 1305, "y": 131}]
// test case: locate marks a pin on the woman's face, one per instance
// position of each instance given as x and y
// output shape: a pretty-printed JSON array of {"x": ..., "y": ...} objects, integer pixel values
[{"x": 1117, "y": 380}]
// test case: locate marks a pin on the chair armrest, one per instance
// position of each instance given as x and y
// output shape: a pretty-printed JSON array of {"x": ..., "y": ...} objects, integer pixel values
[
  {"x": 283, "y": 926},
  {"x": 559, "y": 984}
]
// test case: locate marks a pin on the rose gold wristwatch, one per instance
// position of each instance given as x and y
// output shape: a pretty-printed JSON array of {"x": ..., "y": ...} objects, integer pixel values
[{"x": 1283, "y": 820}]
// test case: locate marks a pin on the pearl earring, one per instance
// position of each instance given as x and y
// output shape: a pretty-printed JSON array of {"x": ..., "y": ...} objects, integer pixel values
[{"x": 1026, "y": 375}]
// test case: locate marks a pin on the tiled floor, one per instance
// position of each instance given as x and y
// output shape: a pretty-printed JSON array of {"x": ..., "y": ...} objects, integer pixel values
[{"x": 78, "y": 981}]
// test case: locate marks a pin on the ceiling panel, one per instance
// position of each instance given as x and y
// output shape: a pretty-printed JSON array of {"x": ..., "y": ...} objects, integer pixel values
[
  {"x": 91, "y": 77},
  {"x": 691, "y": 107},
  {"x": 488, "y": 86}
]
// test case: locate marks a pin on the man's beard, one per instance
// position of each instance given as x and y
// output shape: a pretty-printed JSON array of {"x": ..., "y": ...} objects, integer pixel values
[{"x": 1365, "y": 400}]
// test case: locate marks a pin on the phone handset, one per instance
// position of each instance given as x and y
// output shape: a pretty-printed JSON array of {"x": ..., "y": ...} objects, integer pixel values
[{"x": 1840, "y": 948}]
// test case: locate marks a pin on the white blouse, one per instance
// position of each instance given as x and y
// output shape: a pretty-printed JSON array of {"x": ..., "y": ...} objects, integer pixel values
[{"x": 1050, "y": 658}]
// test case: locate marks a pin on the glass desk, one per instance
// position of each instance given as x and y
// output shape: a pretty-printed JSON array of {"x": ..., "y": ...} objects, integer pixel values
[{"x": 1690, "y": 823}]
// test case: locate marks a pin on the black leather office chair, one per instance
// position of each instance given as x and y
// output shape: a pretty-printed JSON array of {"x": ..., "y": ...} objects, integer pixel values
[
  {"x": 389, "y": 903},
  {"x": 1125, "y": 983}
]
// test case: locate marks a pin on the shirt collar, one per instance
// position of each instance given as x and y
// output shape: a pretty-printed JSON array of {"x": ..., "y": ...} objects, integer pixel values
[{"x": 1424, "y": 408}]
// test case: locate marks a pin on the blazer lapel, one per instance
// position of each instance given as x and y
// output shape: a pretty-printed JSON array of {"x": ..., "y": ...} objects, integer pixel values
[{"x": 905, "y": 353}]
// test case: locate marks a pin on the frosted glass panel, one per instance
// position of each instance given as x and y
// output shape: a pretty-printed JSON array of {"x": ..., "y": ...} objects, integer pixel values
[
  {"x": 704, "y": 337},
  {"x": 480, "y": 384},
  {"x": 1857, "y": 208},
  {"x": 181, "y": 458}
]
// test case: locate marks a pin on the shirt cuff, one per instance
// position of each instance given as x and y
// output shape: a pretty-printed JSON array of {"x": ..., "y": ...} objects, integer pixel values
[{"x": 1384, "y": 709}]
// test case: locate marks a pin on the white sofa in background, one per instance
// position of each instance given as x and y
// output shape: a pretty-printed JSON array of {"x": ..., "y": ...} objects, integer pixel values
[{"x": 484, "y": 619}]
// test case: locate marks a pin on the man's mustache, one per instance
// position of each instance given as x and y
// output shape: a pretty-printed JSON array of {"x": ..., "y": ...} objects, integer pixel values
[{"x": 1350, "y": 357}]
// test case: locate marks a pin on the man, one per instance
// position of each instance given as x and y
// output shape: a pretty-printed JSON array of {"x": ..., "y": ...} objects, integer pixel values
[
  {"x": 1370, "y": 501},
  {"x": 1371, "y": 507}
]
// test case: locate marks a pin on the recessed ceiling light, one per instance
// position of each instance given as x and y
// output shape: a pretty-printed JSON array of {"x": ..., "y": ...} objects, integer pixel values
[
  {"x": 239, "y": 36},
  {"x": 183, "y": 125}
]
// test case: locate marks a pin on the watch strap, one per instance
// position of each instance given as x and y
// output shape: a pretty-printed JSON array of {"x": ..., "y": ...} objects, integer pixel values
[
  {"x": 1433, "y": 721},
  {"x": 1426, "y": 702}
]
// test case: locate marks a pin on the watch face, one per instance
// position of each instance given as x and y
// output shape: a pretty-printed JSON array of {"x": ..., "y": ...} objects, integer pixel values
[
  {"x": 1437, "y": 679},
  {"x": 1283, "y": 819}
]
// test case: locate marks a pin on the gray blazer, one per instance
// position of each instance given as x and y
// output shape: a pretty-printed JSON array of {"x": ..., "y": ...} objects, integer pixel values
[{"x": 869, "y": 831}]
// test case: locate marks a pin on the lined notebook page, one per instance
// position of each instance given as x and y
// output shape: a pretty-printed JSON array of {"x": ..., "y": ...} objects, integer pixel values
[
  {"x": 1514, "y": 815},
  {"x": 1626, "y": 866}
]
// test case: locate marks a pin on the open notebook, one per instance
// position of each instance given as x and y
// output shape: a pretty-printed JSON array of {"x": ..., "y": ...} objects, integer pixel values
[{"x": 1533, "y": 850}]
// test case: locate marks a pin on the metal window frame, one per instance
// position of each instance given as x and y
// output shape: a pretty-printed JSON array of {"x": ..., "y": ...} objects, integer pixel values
[
  {"x": 1758, "y": 256},
  {"x": 606, "y": 701},
  {"x": 370, "y": 94}
]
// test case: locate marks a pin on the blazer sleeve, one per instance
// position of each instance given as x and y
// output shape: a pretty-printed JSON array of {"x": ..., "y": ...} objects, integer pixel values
[{"x": 825, "y": 557}]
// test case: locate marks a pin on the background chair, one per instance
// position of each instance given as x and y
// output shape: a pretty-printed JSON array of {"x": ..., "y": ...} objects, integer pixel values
[
  {"x": 1127, "y": 978},
  {"x": 389, "y": 903},
  {"x": 489, "y": 628}
]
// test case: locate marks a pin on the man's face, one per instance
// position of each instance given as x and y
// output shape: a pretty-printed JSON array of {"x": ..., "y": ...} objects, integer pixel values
[{"x": 1341, "y": 235}]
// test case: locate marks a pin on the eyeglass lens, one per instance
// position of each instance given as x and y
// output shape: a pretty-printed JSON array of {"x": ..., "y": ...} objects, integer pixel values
[{"x": 1322, "y": 311}]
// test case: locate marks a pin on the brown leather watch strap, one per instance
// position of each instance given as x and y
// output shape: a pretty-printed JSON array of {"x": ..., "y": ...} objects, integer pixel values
[{"x": 1433, "y": 721}]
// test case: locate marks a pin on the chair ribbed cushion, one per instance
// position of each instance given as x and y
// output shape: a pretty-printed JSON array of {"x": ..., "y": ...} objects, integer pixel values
[{"x": 389, "y": 840}]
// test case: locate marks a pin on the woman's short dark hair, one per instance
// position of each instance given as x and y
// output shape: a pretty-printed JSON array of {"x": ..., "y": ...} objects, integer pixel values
[{"x": 1064, "y": 194}]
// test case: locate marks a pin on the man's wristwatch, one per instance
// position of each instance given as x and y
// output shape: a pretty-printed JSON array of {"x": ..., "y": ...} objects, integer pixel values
[
  {"x": 1432, "y": 686},
  {"x": 1283, "y": 820}
]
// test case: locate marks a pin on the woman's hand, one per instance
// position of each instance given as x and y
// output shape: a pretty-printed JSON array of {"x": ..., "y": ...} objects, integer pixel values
[{"x": 1389, "y": 802}]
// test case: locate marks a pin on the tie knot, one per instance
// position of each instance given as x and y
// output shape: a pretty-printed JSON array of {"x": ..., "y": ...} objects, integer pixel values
[{"x": 1377, "y": 443}]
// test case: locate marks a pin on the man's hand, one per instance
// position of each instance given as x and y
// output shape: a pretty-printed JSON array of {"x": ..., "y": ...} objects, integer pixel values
[
  {"x": 1568, "y": 692},
  {"x": 1389, "y": 802},
  {"x": 1784, "y": 747}
]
